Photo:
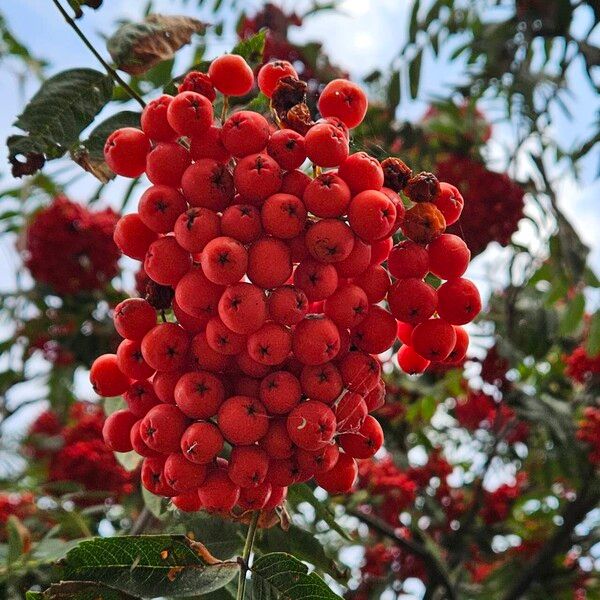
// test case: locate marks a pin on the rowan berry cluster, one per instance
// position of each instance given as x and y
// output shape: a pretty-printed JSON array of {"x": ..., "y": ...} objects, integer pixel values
[{"x": 271, "y": 286}]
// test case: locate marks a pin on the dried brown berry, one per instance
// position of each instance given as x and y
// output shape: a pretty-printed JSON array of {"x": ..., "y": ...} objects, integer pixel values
[
  {"x": 423, "y": 187},
  {"x": 396, "y": 173},
  {"x": 298, "y": 118},
  {"x": 423, "y": 223},
  {"x": 288, "y": 92},
  {"x": 159, "y": 296}
]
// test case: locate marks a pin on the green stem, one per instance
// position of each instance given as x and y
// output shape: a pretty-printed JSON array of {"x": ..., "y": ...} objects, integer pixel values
[
  {"x": 246, "y": 555},
  {"x": 95, "y": 52}
]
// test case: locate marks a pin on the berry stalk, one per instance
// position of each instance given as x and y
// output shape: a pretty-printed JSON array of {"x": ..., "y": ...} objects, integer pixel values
[{"x": 248, "y": 546}]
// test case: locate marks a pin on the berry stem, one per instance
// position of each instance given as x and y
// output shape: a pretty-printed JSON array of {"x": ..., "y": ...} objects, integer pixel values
[
  {"x": 93, "y": 50},
  {"x": 225, "y": 109},
  {"x": 248, "y": 546}
]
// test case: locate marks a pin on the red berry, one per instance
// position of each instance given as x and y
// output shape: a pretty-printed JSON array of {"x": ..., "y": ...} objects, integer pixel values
[
  {"x": 405, "y": 332},
  {"x": 360, "y": 372},
  {"x": 231, "y": 75},
  {"x": 166, "y": 163},
  {"x": 361, "y": 172},
  {"x": 242, "y": 222},
  {"x": 286, "y": 146},
  {"x": 371, "y": 215},
  {"x": 251, "y": 367},
  {"x": 448, "y": 256},
  {"x": 315, "y": 340},
  {"x": 350, "y": 412},
  {"x": 205, "y": 358},
  {"x": 329, "y": 240},
  {"x": 327, "y": 196},
  {"x": 317, "y": 280},
  {"x": 375, "y": 282},
  {"x": 165, "y": 347},
  {"x": 459, "y": 301},
  {"x": 197, "y": 295},
  {"x": 198, "y": 82},
  {"x": 311, "y": 425},
  {"x": 412, "y": 300},
  {"x": 356, "y": 262},
  {"x": 407, "y": 260},
  {"x": 277, "y": 497},
  {"x": 277, "y": 442},
  {"x": 201, "y": 442},
  {"x": 270, "y": 74},
  {"x": 209, "y": 184},
  {"x": 162, "y": 428},
  {"x": 380, "y": 250},
  {"x": 187, "y": 502},
  {"x": 190, "y": 323},
  {"x": 283, "y": 472},
  {"x": 166, "y": 261},
  {"x": 140, "y": 398},
  {"x": 117, "y": 429},
  {"x": 164, "y": 383},
  {"x": 347, "y": 306},
  {"x": 224, "y": 260},
  {"x": 376, "y": 332},
  {"x": 221, "y": 339},
  {"x": 132, "y": 237},
  {"x": 183, "y": 475},
  {"x": 160, "y": 206},
  {"x": 106, "y": 377},
  {"x": 154, "y": 120},
  {"x": 199, "y": 394},
  {"x": 256, "y": 177},
  {"x": 411, "y": 362},
  {"x": 433, "y": 339},
  {"x": 325, "y": 145},
  {"x": 245, "y": 132},
  {"x": 243, "y": 420},
  {"x": 125, "y": 151},
  {"x": 270, "y": 345},
  {"x": 365, "y": 442},
  {"x": 133, "y": 318},
  {"x": 218, "y": 492},
  {"x": 294, "y": 182},
  {"x": 343, "y": 99},
  {"x": 248, "y": 466},
  {"x": 280, "y": 392},
  {"x": 318, "y": 461},
  {"x": 339, "y": 479},
  {"x": 243, "y": 308},
  {"x": 288, "y": 305},
  {"x": 254, "y": 498},
  {"x": 321, "y": 382},
  {"x": 375, "y": 399},
  {"x": 461, "y": 346},
  {"x": 269, "y": 263},
  {"x": 449, "y": 202},
  {"x": 196, "y": 227},
  {"x": 283, "y": 216},
  {"x": 210, "y": 145},
  {"x": 190, "y": 114},
  {"x": 131, "y": 362},
  {"x": 137, "y": 443},
  {"x": 153, "y": 478}
]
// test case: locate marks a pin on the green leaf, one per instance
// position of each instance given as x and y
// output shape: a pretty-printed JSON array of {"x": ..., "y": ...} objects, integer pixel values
[
  {"x": 54, "y": 118},
  {"x": 303, "y": 493},
  {"x": 414, "y": 74},
  {"x": 393, "y": 92},
  {"x": 414, "y": 23},
  {"x": 286, "y": 577},
  {"x": 137, "y": 47},
  {"x": 15, "y": 531},
  {"x": 80, "y": 590},
  {"x": 252, "y": 48},
  {"x": 592, "y": 347},
  {"x": 573, "y": 315},
  {"x": 89, "y": 153},
  {"x": 149, "y": 566}
]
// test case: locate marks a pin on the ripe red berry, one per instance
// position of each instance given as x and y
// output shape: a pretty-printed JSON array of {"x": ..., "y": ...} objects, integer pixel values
[
  {"x": 224, "y": 260},
  {"x": 277, "y": 497},
  {"x": 350, "y": 412},
  {"x": 270, "y": 74},
  {"x": 243, "y": 420},
  {"x": 132, "y": 237},
  {"x": 311, "y": 425},
  {"x": 356, "y": 262},
  {"x": 162, "y": 428},
  {"x": 256, "y": 177},
  {"x": 221, "y": 339},
  {"x": 196, "y": 227},
  {"x": 160, "y": 206},
  {"x": 408, "y": 259},
  {"x": 209, "y": 145},
  {"x": 449, "y": 202},
  {"x": 183, "y": 475},
  {"x": 317, "y": 280},
  {"x": 459, "y": 301},
  {"x": 137, "y": 443},
  {"x": 154, "y": 120},
  {"x": 360, "y": 372},
  {"x": 231, "y": 75},
  {"x": 131, "y": 362},
  {"x": 433, "y": 339},
  {"x": 411, "y": 362},
  {"x": 361, "y": 172},
  {"x": 280, "y": 392},
  {"x": 190, "y": 323},
  {"x": 345, "y": 100},
  {"x": 288, "y": 305},
  {"x": 269, "y": 263},
  {"x": 375, "y": 282},
  {"x": 254, "y": 498},
  {"x": 315, "y": 340},
  {"x": 347, "y": 306},
  {"x": 325, "y": 145},
  {"x": 365, "y": 442},
  {"x": 140, "y": 398},
  {"x": 201, "y": 442},
  {"x": 166, "y": 163},
  {"x": 318, "y": 461},
  {"x": 164, "y": 383},
  {"x": 277, "y": 442},
  {"x": 125, "y": 151},
  {"x": 166, "y": 262},
  {"x": 197, "y": 295},
  {"x": 328, "y": 195},
  {"x": 294, "y": 182},
  {"x": 218, "y": 492},
  {"x": 270, "y": 345},
  {"x": 400, "y": 209},
  {"x": 376, "y": 332},
  {"x": 283, "y": 472},
  {"x": 283, "y": 216},
  {"x": 117, "y": 429},
  {"x": 194, "y": 81},
  {"x": 106, "y": 377},
  {"x": 380, "y": 250},
  {"x": 339, "y": 479},
  {"x": 209, "y": 184},
  {"x": 412, "y": 300},
  {"x": 248, "y": 466},
  {"x": 287, "y": 147},
  {"x": 329, "y": 240},
  {"x": 375, "y": 399},
  {"x": 153, "y": 478},
  {"x": 190, "y": 114},
  {"x": 242, "y": 222},
  {"x": 448, "y": 256},
  {"x": 205, "y": 358},
  {"x": 321, "y": 382},
  {"x": 461, "y": 346},
  {"x": 245, "y": 132},
  {"x": 405, "y": 332},
  {"x": 165, "y": 347},
  {"x": 199, "y": 394},
  {"x": 133, "y": 318},
  {"x": 371, "y": 215},
  {"x": 243, "y": 308}
]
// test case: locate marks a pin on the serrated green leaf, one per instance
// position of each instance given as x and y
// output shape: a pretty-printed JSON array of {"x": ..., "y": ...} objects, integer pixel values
[
  {"x": 572, "y": 315},
  {"x": 149, "y": 566},
  {"x": 252, "y": 48},
  {"x": 303, "y": 493},
  {"x": 286, "y": 577},
  {"x": 593, "y": 342},
  {"x": 80, "y": 590}
]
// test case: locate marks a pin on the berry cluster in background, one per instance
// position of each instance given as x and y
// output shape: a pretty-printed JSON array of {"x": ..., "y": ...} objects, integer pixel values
[{"x": 277, "y": 290}]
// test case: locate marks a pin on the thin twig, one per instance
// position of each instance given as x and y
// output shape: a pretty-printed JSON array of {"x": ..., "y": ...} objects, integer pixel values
[
  {"x": 98, "y": 56},
  {"x": 248, "y": 546},
  {"x": 141, "y": 522}
]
